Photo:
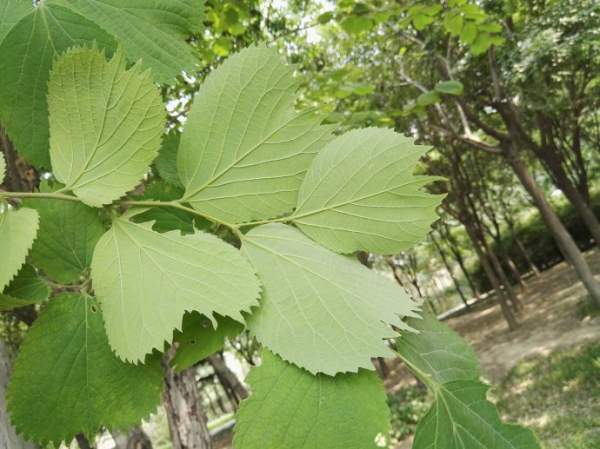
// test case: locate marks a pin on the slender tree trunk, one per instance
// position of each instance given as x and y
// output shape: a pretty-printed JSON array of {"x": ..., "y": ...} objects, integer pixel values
[
  {"x": 562, "y": 237},
  {"x": 449, "y": 270},
  {"x": 187, "y": 421},
  {"x": 515, "y": 271},
  {"x": 228, "y": 378},
  {"x": 574, "y": 196},
  {"x": 8, "y": 436},
  {"x": 489, "y": 271},
  {"x": 525, "y": 255},
  {"x": 13, "y": 179}
]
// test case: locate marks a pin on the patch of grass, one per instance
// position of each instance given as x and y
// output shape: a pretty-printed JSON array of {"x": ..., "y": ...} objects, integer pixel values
[
  {"x": 407, "y": 406},
  {"x": 557, "y": 396}
]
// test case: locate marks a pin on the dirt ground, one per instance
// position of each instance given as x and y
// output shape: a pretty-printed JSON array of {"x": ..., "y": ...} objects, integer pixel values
[{"x": 550, "y": 320}]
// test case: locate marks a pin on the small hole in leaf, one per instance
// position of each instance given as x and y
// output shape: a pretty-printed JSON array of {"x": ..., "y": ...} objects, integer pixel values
[
  {"x": 94, "y": 309},
  {"x": 192, "y": 342}
]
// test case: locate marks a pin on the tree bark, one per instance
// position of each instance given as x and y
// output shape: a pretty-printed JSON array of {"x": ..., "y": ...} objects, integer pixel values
[
  {"x": 187, "y": 421},
  {"x": 8, "y": 436},
  {"x": 449, "y": 269},
  {"x": 228, "y": 378},
  {"x": 485, "y": 263},
  {"x": 562, "y": 237}
]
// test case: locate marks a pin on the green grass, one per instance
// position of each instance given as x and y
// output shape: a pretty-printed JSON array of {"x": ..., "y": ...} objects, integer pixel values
[{"x": 557, "y": 396}]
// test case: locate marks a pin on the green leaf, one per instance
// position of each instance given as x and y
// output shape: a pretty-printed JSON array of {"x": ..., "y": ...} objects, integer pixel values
[
  {"x": 244, "y": 150},
  {"x": 469, "y": 32},
  {"x": 154, "y": 31},
  {"x": 11, "y": 11},
  {"x": 146, "y": 281},
  {"x": 421, "y": 21},
  {"x": 2, "y": 168},
  {"x": 428, "y": 98},
  {"x": 360, "y": 194},
  {"x": 322, "y": 311},
  {"x": 199, "y": 339},
  {"x": 68, "y": 234},
  {"x": 28, "y": 52},
  {"x": 326, "y": 17},
  {"x": 461, "y": 417},
  {"x": 356, "y": 24},
  {"x": 18, "y": 229},
  {"x": 437, "y": 351},
  {"x": 481, "y": 44},
  {"x": 26, "y": 288},
  {"x": 347, "y": 411},
  {"x": 166, "y": 162},
  {"x": 453, "y": 23},
  {"x": 101, "y": 149},
  {"x": 67, "y": 369},
  {"x": 450, "y": 87}
]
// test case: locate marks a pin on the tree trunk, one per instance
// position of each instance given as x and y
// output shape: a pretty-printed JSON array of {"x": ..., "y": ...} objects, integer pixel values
[
  {"x": 8, "y": 437},
  {"x": 574, "y": 196},
  {"x": 186, "y": 418},
  {"x": 449, "y": 269},
  {"x": 485, "y": 263},
  {"x": 562, "y": 237},
  {"x": 228, "y": 378},
  {"x": 525, "y": 255}
]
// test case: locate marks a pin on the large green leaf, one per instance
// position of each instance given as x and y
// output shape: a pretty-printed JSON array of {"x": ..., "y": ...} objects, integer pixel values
[
  {"x": 101, "y": 149},
  {"x": 292, "y": 409},
  {"x": 11, "y": 11},
  {"x": 199, "y": 338},
  {"x": 438, "y": 351},
  {"x": 28, "y": 51},
  {"x": 360, "y": 194},
  {"x": 461, "y": 417},
  {"x": 155, "y": 31},
  {"x": 146, "y": 281},
  {"x": 26, "y": 288},
  {"x": 66, "y": 239},
  {"x": 67, "y": 380},
  {"x": 245, "y": 150},
  {"x": 322, "y": 311},
  {"x": 18, "y": 229}
]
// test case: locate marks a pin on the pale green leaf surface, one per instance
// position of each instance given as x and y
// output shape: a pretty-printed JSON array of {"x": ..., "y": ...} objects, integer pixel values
[
  {"x": 438, "y": 351},
  {"x": 292, "y": 409},
  {"x": 26, "y": 288},
  {"x": 155, "y": 31},
  {"x": 244, "y": 150},
  {"x": 322, "y": 311},
  {"x": 146, "y": 281},
  {"x": 199, "y": 339},
  {"x": 67, "y": 369},
  {"x": 101, "y": 149},
  {"x": 462, "y": 418},
  {"x": 18, "y": 229},
  {"x": 360, "y": 194},
  {"x": 28, "y": 52},
  {"x": 66, "y": 239},
  {"x": 11, "y": 11}
]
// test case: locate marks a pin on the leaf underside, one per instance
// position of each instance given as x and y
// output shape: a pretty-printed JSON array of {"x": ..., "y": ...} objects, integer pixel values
[
  {"x": 66, "y": 360},
  {"x": 101, "y": 149},
  {"x": 245, "y": 150},
  {"x": 146, "y": 281},
  {"x": 360, "y": 194},
  {"x": 18, "y": 229},
  {"x": 292, "y": 409},
  {"x": 322, "y": 311}
]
